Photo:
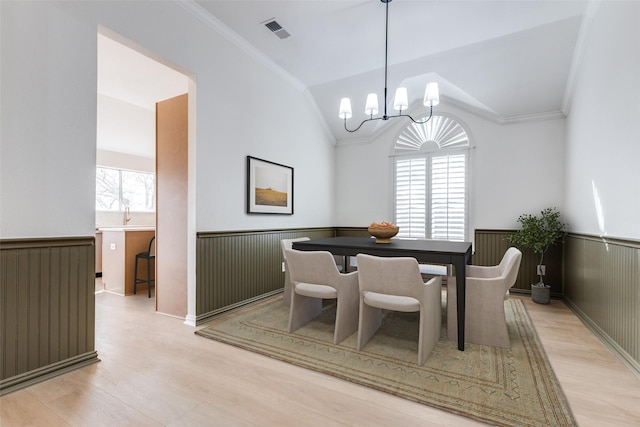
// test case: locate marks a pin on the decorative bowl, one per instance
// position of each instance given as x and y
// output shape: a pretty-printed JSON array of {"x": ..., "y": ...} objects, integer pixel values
[{"x": 383, "y": 234}]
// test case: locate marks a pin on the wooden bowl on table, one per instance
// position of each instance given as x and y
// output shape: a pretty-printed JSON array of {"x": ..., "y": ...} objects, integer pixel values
[{"x": 383, "y": 232}]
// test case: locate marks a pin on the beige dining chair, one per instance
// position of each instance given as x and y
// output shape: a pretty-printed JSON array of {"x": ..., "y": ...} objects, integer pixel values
[
  {"x": 287, "y": 244},
  {"x": 395, "y": 283},
  {"x": 314, "y": 277},
  {"x": 487, "y": 289}
]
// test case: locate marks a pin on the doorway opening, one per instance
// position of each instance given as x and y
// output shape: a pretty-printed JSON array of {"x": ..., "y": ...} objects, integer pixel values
[{"x": 131, "y": 81}]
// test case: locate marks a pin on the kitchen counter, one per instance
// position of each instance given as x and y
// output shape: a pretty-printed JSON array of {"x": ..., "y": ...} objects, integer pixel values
[
  {"x": 119, "y": 248},
  {"x": 128, "y": 228}
]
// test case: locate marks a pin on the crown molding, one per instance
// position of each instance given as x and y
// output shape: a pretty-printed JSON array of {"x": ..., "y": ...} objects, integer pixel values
[
  {"x": 538, "y": 117},
  {"x": 497, "y": 119},
  {"x": 215, "y": 24},
  {"x": 355, "y": 141}
]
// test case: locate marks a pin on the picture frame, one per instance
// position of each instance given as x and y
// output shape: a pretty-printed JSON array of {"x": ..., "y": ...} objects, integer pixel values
[{"x": 269, "y": 187}]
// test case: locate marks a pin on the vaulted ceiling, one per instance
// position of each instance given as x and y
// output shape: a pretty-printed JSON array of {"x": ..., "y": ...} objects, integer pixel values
[{"x": 508, "y": 60}]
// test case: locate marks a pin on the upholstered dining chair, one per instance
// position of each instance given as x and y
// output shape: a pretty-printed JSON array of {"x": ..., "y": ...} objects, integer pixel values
[
  {"x": 395, "y": 283},
  {"x": 314, "y": 277},
  {"x": 286, "y": 244},
  {"x": 487, "y": 289}
]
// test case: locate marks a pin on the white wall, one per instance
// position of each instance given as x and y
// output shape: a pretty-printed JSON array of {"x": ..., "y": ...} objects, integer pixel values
[
  {"x": 518, "y": 168},
  {"x": 603, "y": 136},
  {"x": 49, "y": 118},
  {"x": 112, "y": 159},
  {"x": 48, "y": 133}
]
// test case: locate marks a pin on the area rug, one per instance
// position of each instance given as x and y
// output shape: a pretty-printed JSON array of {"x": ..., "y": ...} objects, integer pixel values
[{"x": 504, "y": 387}]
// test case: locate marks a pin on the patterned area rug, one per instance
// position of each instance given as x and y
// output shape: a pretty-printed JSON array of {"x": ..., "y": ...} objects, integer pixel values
[{"x": 503, "y": 387}]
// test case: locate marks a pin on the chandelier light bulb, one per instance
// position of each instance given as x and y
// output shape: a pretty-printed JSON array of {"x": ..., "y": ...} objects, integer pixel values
[
  {"x": 345, "y": 108},
  {"x": 371, "y": 107},
  {"x": 432, "y": 95},
  {"x": 401, "y": 100}
]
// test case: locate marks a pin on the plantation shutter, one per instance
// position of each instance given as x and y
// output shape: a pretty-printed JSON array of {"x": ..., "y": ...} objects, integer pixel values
[
  {"x": 448, "y": 196},
  {"x": 411, "y": 196}
]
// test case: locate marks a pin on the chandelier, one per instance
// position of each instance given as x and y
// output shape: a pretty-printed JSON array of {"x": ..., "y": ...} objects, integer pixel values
[{"x": 401, "y": 102}]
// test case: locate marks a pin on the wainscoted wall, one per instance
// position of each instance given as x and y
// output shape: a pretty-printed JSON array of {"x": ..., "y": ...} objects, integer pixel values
[
  {"x": 47, "y": 308},
  {"x": 602, "y": 286},
  {"x": 234, "y": 268},
  {"x": 599, "y": 279},
  {"x": 490, "y": 246}
]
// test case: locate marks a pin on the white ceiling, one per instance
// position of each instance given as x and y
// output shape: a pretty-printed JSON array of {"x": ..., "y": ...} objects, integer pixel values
[
  {"x": 126, "y": 75},
  {"x": 505, "y": 59}
]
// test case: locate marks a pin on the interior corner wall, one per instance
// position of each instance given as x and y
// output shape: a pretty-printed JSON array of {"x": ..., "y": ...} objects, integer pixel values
[
  {"x": 603, "y": 136},
  {"x": 517, "y": 168}
]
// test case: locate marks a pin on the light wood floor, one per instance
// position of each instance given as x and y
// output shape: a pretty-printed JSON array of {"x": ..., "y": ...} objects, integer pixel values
[{"x": 156, "y": 371}]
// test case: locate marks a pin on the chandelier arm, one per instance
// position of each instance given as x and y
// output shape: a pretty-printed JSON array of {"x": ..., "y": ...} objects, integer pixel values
[
  {"x": 390, "y": 117},
  {"x": 363, "y": 122},
  {"x": 423, "y": 121}
]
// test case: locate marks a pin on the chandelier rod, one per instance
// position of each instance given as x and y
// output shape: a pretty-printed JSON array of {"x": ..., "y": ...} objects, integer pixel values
[{"x": 386, "y": 50}]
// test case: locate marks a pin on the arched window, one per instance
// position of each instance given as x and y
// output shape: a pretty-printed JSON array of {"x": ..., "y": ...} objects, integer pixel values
[{"x": 431, "y": 174}]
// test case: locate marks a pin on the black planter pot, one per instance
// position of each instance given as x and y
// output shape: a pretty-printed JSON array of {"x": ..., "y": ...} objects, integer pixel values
[{"x": 541, "y": 294}]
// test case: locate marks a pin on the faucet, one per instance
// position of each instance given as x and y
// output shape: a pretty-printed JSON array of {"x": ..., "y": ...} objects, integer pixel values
[{"x": 127, "y": 215}]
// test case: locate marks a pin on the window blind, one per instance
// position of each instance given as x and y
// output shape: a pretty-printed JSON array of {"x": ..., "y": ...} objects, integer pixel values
[
  {"x": 448, "y": 196},
  {"x": 411, "y": 196},
  {"x": 439, "y": 183}
]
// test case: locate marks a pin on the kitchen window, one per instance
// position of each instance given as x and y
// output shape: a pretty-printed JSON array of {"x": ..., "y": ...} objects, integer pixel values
[{"x": 118, "y": 189}]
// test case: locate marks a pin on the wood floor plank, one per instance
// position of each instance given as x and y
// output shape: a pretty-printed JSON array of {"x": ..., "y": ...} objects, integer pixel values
[{"x": 156, "y": 371}]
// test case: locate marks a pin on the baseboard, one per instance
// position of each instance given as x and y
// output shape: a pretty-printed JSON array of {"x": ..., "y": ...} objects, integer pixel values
[
  {"x": 204, "y": 318},
  {"x": 608, "y": 342},
  {"x": 35, "y": 376}
]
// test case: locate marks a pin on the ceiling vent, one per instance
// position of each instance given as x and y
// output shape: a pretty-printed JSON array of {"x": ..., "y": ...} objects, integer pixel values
[{"x": 276, "y": 29}]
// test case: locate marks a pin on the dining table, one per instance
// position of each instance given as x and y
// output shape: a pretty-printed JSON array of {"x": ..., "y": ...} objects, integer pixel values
[{"x": 428, "y": 251}]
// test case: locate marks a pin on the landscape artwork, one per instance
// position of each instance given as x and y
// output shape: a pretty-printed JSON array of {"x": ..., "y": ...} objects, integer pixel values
[{"x": 269, "y": 187}]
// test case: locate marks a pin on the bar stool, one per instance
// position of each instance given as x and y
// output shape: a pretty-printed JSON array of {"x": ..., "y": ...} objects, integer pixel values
[{"x": 148, "y": 255}]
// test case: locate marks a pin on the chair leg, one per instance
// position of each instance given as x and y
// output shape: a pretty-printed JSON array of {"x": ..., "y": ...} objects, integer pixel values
[
  {"x": 302, "y": 310},
  {"x": 135, "y": 275},
  {"x": 286, "y": 296},
  {"x": 149, "y": 276},
  {"x": 347, "y": 316},
  {"x": 370, "y": 320}
]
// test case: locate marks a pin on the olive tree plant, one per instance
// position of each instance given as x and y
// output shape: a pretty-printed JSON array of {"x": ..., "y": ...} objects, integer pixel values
[{"x": 538, "y": 233}]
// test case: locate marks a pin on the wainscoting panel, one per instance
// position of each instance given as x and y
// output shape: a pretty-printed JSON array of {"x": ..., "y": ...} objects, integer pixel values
[
  {"x": 490, "y": 246},
  {"x": 47, "y": 306},
  {"x": 352, "y": 232},
  {"x": 235, "y": 268},
  {"x": 602, "y": 285}
]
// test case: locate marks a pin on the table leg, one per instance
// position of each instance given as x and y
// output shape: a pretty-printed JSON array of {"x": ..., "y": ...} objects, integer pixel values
[{"x": 461, "y": 292}]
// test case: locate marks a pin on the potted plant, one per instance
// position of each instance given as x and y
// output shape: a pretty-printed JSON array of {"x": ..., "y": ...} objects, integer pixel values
[{"x": 538, "y": 233}]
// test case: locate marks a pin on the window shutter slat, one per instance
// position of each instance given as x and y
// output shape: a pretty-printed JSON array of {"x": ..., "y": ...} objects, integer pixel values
[
  {"x": 411, "y": 193},
  {"x": 448, "y": 197}
]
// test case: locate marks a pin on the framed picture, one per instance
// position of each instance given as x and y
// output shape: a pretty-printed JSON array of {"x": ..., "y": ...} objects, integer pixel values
[{"x": 269, "y": 187}]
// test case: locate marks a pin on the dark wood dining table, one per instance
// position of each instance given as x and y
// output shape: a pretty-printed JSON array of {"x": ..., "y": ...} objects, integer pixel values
[{"x": 457, "y": 254}]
